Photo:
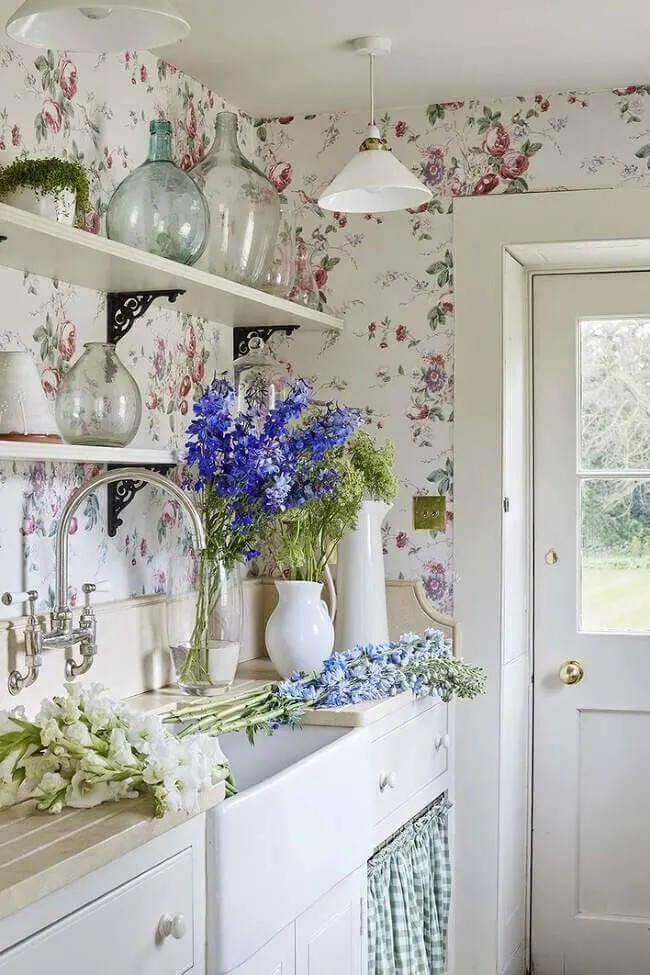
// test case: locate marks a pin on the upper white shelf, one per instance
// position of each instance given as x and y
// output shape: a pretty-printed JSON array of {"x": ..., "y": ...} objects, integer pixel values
[
  {"x": 43, "y": 247},
  {"x": 70, "y": 453}
]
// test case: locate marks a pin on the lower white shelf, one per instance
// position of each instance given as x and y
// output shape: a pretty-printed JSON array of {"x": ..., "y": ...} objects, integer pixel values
[{"x": 72, "y": 453}]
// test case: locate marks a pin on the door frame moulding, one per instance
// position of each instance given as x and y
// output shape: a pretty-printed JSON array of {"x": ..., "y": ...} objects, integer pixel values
[{"x": 584, "y": 230}]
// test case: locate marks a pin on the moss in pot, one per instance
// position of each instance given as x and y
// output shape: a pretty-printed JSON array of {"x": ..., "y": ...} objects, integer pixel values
[{"x": 47, "y": 178}]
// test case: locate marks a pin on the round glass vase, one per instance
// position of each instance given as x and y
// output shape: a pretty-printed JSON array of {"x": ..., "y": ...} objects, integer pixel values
[
  {"x": 159, "y": 208},
  {"x": 244, "y": 209},
  {"x": 98, "y": 402},
  {"x": 205, "y": 609}
]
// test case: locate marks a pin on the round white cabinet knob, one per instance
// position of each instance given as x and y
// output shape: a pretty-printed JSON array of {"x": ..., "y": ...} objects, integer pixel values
[
  {"x": 441, "y": 741},
  {"x": 175, "y": 925},
  {"x": 387, "y": 780}
]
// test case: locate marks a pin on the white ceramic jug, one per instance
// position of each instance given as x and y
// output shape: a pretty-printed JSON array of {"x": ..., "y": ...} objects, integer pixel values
[
  {"x": 300, "y": 631},
  {"x": 360, "y": 580}
]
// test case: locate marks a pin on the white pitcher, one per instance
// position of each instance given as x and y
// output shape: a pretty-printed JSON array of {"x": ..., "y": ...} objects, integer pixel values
[
  {"x": 361, "y": 582},
  {"x": 300, "y": 632}
]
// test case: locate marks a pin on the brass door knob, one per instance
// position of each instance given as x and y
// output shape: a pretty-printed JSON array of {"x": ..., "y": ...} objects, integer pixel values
[{"x": 571, "y": 672}]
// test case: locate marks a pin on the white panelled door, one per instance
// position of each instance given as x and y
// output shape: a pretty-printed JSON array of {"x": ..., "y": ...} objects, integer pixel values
[{"x": 591, "y": 796}]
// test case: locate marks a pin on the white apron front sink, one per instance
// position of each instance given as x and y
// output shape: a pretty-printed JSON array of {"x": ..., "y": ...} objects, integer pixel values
[{"x": 300, "y": 823}]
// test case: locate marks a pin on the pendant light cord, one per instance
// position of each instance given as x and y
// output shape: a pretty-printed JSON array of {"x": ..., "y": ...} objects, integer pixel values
[{"x": 372, "y": 89}]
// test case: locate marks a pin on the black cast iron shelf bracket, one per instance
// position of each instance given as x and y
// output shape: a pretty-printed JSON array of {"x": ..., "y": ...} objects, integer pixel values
[
  {"x": 122, "y": 493},
  {"x": 242, "y": 334},
  {"x": 123, "y": 308},
  {"x": 3, "y": 237}
]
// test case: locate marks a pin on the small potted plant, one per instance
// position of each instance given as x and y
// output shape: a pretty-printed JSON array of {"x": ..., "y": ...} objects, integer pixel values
[{"x": 56, "y": 189}]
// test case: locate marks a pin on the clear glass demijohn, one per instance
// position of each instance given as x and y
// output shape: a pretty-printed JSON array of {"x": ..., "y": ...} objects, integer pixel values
[
  {"x": 98, "y": 402},
  {"x": 244, "y": 209},
  {"x": 159, "y": 208}
]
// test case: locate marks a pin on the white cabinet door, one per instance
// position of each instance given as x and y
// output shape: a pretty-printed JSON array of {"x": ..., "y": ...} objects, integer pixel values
[
  {"x": 331, "y": 935},
  {"x": 123, "y": 932},
  {"x": 278, "y": 957}
]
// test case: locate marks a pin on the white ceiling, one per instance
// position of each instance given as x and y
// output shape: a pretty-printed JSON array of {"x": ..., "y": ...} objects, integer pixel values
[{"x": 289, "y": 56}]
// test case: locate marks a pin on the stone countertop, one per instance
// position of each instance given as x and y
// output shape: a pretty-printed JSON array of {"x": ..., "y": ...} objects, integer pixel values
[
  {"x": 256, "y": 673},
  {"x": 41, "y": 852}
]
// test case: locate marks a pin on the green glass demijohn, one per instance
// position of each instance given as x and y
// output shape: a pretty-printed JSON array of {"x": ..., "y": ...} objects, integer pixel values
[{"x": 159, "y": 208}]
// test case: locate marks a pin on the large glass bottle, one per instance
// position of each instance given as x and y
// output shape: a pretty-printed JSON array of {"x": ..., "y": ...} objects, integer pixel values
[
  {"x": 244, "y": 209},
  {"x": 98, "y": 402},
  {"x": 159, "y": 208}
]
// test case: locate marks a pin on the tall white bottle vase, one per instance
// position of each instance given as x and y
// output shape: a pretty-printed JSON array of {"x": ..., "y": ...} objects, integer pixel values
[{"x": 360, "y": 581}]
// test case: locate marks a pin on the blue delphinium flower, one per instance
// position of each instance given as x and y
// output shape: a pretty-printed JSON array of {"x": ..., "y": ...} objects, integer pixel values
[
  {"x": 249, "y": 472},
  {"x": 372, "y": 671}
]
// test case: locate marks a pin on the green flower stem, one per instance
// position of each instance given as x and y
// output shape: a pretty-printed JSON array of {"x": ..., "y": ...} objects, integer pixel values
[
  {"x": 195, "y": 667},
  {"x": 226, "y": 706}
]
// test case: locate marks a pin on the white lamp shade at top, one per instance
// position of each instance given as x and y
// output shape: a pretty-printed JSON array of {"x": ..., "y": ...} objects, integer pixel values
[
  {"x": 113, "y": 25},
  {"x": 374, "y": 181}
]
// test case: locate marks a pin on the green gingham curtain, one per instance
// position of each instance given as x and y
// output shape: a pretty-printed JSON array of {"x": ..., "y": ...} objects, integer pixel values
[{"x": 409, "y": 891}]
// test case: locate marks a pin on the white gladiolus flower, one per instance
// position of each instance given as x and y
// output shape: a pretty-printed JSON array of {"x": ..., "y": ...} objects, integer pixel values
[
  {"x": 35, "y": 768},
  {"x": 48, "y": 710},
  {"x": 102, "y": 713},
  {"x": 119, "y": 749},
  {"x": 85, "y": 792},
  {"x": 145, "y": 731},
  {"x": 85, "y": 749},
  {"x": 51, "y": 782},
  {"x": 79, "y": 734},
  {"x": 50, "y": 732}
]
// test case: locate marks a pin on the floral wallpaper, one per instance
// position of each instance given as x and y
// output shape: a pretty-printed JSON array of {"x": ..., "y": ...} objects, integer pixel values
[
  {"x": 97, "y": 110},
  {"x": 392, "y": 276}
]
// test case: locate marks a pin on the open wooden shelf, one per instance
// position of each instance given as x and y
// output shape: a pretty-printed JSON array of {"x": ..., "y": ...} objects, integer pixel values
[{"x": 47, "y": 248}]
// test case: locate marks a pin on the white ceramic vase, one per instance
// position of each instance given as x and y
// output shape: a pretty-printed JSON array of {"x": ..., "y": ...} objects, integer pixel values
[
  {"x": 360, "y": 580},
  {"x": 300, "y": 631},
  {"x": 25, "y": 413},
  {"x": 59, "y": 207}
]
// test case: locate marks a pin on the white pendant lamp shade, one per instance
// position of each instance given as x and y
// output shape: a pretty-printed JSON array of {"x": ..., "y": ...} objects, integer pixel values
[
  {"x": 374, "y": 181},
  {"x": 113, "y": 25}
]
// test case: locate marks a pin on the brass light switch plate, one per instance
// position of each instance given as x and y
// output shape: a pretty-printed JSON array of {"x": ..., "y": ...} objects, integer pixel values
[{"x": 430, "y": 513}]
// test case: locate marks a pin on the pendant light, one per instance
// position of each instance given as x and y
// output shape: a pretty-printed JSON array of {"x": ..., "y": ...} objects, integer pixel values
[
  {"x": 374, "y": 181},
  {"x": 111, "y": 25}
]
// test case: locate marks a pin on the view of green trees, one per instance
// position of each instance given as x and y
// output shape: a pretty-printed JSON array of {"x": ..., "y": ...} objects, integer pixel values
[{"x": 615, "y": 415}]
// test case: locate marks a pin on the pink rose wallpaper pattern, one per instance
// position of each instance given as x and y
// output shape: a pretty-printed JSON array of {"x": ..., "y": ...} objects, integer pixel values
[
  {"x": 392, "y": 275},
  {"x": 97, "y": 110}
]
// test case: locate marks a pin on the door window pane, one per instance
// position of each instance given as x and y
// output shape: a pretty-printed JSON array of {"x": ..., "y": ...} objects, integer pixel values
[
  {"x": 615, "y": 554},
  {"x": 615, "y": 394}
]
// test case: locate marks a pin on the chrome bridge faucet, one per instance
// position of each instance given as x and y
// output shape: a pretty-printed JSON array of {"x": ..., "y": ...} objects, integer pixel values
[{"x": 63, "y": 634}]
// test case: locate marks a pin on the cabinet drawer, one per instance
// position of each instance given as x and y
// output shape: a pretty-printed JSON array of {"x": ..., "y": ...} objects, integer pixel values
[
  {"x": 408, "y": 758},
  {"x": 121, "y": 931}
]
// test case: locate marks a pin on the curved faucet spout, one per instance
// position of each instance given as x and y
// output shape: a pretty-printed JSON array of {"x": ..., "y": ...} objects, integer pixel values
[{"x": 108, "y": 477}]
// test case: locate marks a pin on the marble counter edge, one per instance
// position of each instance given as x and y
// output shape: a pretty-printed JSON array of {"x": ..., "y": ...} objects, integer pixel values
[{"x": 96, "y": 842}]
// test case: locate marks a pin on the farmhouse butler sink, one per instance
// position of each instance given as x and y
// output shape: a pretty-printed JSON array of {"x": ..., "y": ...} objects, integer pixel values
[{"x": 300, "y": 823}]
